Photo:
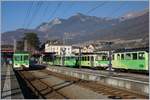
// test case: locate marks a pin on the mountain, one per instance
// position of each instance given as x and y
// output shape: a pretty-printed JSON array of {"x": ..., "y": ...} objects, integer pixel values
[
  {"x": 80, "y": 28},
  {"x": 130, "y": 15},
  {"x": 137, "y": 27}
]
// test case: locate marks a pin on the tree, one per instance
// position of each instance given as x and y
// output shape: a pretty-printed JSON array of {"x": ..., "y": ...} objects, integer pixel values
[
  {"x": 20, "y": 45},
  {"x": 32, "y": 41}
]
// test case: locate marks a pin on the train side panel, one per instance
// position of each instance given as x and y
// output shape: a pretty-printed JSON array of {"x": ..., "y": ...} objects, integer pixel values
[
  {"x": 133, "y": 60},
  {"x": 70, "y": 61}
]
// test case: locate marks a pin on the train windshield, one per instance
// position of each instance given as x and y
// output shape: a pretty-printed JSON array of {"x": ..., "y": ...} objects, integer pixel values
[{"x": 17, "y": 58}]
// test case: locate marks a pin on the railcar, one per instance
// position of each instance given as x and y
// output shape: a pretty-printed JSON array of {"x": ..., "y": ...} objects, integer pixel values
[
  {"x": 88, "y": 60},
  {"x": 92, "y": 60},
  {"x": 20, "y": 60},
  {"x": 47, "y": 58},
  {"x": 131, "y": 60},
  {"x": 103, "y": 59},
  {"x": 57, "y": 60},
  {"x": 69, "y": 61}
]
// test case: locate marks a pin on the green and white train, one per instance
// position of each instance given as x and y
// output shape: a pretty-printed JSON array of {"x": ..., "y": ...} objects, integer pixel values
[
  {"x": 20, "y": 60},
  {"x": 136, "y": 60},
  {"x": 131, "y": 60}
]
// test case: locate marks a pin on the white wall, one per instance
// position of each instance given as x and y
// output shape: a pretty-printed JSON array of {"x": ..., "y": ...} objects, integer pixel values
[{"x": 57, "y": 49}]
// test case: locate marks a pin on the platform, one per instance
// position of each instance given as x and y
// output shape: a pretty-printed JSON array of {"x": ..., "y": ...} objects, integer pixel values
[
  {"x": 135, "y": 83},
  {"x": 10, "y": 88}
]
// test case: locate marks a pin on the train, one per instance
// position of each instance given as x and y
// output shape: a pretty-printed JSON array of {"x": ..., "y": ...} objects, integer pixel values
[
  {"x": 134, "y": 60},
  {"x": 122, "y": 60},
  {"x": 21, "y": 60}
]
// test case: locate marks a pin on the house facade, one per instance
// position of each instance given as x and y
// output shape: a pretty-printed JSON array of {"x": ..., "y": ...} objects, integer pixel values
[{"x": 58, "y": 49}]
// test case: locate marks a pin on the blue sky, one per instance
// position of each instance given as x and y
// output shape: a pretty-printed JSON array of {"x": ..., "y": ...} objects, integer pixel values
[{"x": 15, "y": 14}]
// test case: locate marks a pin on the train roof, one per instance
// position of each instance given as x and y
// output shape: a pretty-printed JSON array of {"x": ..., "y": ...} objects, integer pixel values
[
  {"x": 21, "y": 52},
  {"x": 132, "y": 50},
  {"x": 94, "y": 53}
]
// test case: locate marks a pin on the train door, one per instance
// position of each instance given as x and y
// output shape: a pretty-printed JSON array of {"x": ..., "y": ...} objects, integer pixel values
[{"x": 92, "y": 61}]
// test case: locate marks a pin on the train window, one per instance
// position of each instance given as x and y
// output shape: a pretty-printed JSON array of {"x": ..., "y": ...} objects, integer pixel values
[
  {"x": 97, "y": 58},
  {"x": 118, "y": 56},
  {"x": 21, "y": 58},
  {"x": 66, "y": 58},
  {"x": 82, "y": 58},
  {"x": 128, "y": 56},
  {"x": 85, "y": 58},
  {"x": 122, "y": 56},
  {"x": 141, "y": 55},
  {"x": 92, "y": 58},
  {"x": 104, "y": 58},
  {"x": 25, "y": 57},
  {"x": 113, "y": 57},
  {"x": 88, "y": 58},
  {"x": 134, "y": 56}
]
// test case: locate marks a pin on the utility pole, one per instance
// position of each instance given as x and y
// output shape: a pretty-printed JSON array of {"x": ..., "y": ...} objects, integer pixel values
[
  {"x": 25, "y": 45},
  {"x": 80, "y": 54},
  {"x": 63, "y": 55},
  {"x": 15, "y": 46},
  {"x": 110, "y": 57}
]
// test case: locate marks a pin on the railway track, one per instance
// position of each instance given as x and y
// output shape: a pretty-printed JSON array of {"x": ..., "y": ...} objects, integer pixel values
[{"x": 45, "y": 90}]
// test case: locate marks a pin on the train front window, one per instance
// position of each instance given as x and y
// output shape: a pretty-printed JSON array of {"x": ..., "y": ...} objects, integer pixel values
[
  {"x": 134, "y": 56},
  {"x": 141, "y": 55},
  {"x": 17, "y": 58}
]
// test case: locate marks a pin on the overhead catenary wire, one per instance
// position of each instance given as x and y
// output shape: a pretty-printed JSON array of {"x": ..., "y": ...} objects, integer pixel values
[
  {"x": 69, "y": 7},
  {"x": 117, "y": 9},
  {"x": 28, "y": 14},
  {"x": 55, "y": 10},
  {"x": 94, "y": 8},
  {"x": 38, "y": 6},
  {"x": 28, "y": 10},
  {"x": 45, "y": 10}
]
